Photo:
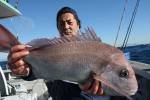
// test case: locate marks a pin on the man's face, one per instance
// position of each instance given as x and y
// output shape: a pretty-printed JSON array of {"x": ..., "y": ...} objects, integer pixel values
[{"x": 67, "y": 24}]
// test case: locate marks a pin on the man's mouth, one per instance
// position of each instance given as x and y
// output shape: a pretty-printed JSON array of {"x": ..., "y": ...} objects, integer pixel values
[{"x": 68, "y": 31}]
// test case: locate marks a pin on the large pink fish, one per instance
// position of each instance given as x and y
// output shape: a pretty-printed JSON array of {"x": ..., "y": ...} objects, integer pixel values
[{"x": 76, "y": 59}]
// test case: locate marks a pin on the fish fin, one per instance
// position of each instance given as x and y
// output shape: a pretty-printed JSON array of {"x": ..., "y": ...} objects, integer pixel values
[
  {"x": 44, "y": 42},
  {"x": 39, "y": 42},
  {"x": 88, "y": 35},
  {"x": 107, "y": 83},
  {"x": 7, "y": 39}
]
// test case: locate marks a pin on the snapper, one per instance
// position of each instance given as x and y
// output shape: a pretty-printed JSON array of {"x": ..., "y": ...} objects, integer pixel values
[{"x": 77, "y": 59}]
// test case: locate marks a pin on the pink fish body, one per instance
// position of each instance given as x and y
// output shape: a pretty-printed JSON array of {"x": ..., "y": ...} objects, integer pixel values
[{"x": 76, "y": 59}]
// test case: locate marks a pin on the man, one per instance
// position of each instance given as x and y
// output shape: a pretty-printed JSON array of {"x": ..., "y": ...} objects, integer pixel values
[{"x": 68, "y": 23}]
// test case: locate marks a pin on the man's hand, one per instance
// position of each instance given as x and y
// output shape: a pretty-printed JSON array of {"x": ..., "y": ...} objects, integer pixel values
[
  {"x": 16, "y": 62},
  {"x": 93, "y": 88}
]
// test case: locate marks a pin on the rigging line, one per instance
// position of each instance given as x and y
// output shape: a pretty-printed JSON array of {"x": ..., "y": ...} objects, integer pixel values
[
  {"x": 130, "y": 26},
  {"x": 124, "y": 9},
  {"x": 132, "y": 23},
  {"x": 16, "y": 4},
  {"x": 13, "y": 27}
]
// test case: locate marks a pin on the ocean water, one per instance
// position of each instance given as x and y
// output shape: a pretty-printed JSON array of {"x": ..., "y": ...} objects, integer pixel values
[
  {"x": 3, "y": 65},
  {"x": 140, "y": 53}
]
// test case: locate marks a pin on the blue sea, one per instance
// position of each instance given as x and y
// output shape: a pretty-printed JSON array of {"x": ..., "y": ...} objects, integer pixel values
[
  {"x": 3, "y": 64},
  {"x": 140, "y": 53}
]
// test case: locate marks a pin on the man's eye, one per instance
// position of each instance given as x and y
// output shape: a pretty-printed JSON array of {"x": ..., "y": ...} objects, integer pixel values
[{"x": 69, "y": 23}]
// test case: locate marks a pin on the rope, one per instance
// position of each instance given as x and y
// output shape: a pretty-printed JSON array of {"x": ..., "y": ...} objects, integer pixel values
[
  {"x": 16, "y": 4},
  {"x": 124, "y": 9},
  {"x": 130, "y": 26}
]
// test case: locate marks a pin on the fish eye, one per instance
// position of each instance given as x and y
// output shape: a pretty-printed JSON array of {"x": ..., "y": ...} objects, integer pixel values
[{"x": 124, "y": 73}]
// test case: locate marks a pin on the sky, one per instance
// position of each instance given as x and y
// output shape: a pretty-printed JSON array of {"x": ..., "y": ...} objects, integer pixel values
[{"x": 38, "y": 19}]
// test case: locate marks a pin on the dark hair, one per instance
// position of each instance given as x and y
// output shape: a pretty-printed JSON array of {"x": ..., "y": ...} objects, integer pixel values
[{"x": 68, "y": 10}]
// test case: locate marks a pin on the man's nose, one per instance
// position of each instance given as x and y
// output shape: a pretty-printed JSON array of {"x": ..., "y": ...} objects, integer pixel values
[{"x": 66, "y": 26}]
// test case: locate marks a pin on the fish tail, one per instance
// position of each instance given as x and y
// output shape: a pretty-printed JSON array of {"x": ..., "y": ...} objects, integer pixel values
[{"x": 7, "y": 39}]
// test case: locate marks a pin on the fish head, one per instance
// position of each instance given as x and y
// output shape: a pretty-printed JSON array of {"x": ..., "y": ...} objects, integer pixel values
[{"x": 118, "y": 77}]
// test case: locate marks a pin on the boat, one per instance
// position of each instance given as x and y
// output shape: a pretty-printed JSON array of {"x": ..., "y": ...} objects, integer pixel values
[{"x": 15, "y": 88}]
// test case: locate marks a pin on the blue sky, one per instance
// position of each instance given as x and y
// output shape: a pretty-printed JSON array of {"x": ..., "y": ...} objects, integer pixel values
[{"x": 39, "y": 19}]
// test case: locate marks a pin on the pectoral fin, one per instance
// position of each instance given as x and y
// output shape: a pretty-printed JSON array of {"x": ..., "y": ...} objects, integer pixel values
[{"x": 107, "y": 83}]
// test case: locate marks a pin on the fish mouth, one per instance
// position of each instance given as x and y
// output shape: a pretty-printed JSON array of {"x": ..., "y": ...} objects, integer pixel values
[
  {"x": 132, "y": 92},
  {"x": 128, "y": 93}
]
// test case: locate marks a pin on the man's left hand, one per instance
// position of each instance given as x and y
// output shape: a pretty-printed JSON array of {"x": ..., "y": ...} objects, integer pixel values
[{"x": 93, "y": 87}]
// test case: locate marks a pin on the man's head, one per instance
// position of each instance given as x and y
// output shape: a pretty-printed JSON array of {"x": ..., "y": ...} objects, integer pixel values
[{"x": 68, "y": 22}]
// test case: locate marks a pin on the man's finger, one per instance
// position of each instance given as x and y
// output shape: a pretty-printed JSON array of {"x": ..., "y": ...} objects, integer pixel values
[
  {"x": 85, "y": 86},
  {"x": 16, "y": 64},
  {"x": 22, "y": 70},
  {"x": 94, "y": 87},
  {"x": 100, "y": 91},
  {"x": 19, "y": 63},
  {"x": 18, "y": 55},
  {"x": 18, "y": 48}
]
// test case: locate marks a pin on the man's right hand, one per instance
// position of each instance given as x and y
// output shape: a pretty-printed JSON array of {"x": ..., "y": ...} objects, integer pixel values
[{"x": 15, "y": 60}]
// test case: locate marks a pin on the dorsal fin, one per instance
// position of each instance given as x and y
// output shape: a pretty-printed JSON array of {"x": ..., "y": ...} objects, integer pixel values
[
  {"x": 39, "y": 42},
  {"x": 88, "y": 35}
]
